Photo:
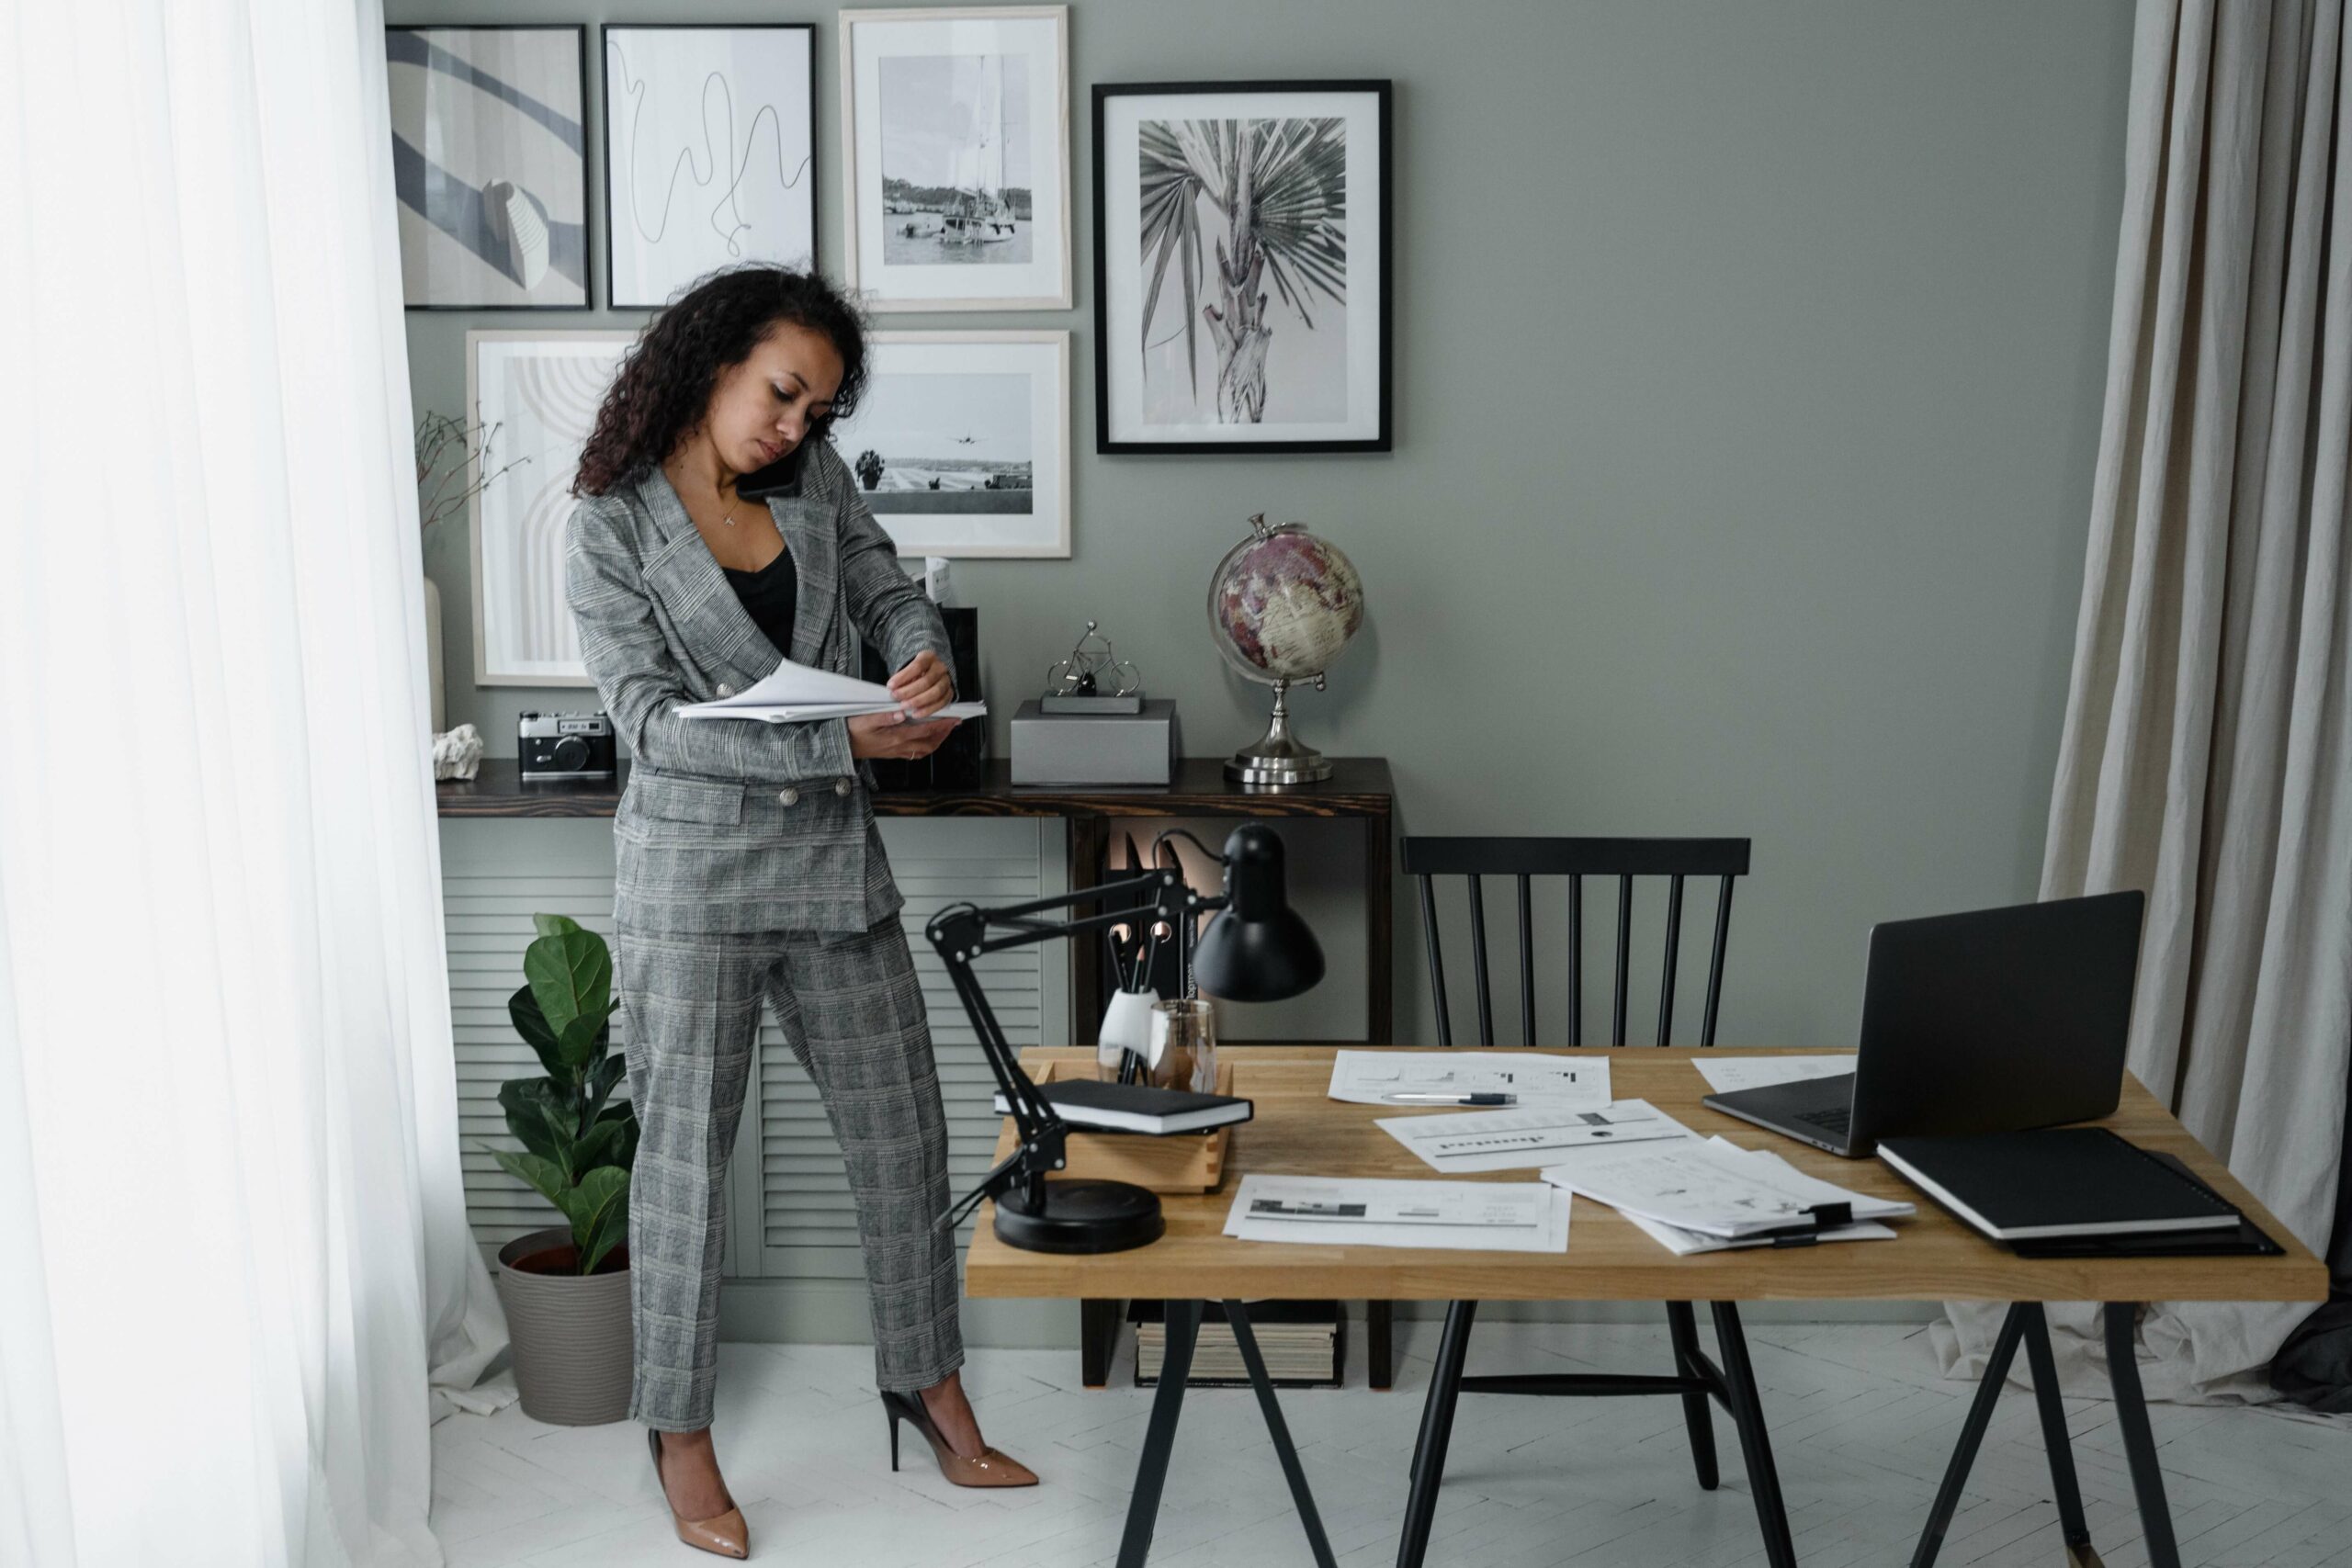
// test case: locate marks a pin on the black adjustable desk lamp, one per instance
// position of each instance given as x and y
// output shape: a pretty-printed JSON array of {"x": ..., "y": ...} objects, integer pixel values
[{"x": 1256, "y": 950}]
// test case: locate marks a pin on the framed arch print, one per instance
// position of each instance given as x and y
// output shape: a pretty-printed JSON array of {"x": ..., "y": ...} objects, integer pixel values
[
  {"x": 1241, "y": 281},
  {"x": 956, "y": 158}
]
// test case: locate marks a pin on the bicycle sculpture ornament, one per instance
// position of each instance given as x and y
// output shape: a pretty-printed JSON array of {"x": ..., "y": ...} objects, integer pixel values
[{"x": 1093, "y": 672}]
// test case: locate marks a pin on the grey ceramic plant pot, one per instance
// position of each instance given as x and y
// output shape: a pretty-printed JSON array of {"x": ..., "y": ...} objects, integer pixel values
[{"x": 573, "y": 1352}]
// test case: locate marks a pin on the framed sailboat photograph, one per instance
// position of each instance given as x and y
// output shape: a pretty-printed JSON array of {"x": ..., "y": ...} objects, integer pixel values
[{"x": 955, "y": 147}]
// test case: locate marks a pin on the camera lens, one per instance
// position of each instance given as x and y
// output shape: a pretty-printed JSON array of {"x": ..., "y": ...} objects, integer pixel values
[{"x": 570, "y": 754}]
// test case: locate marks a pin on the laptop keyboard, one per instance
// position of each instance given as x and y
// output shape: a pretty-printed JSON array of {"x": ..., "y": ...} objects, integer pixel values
[{"x": 1837, "y": 1120}]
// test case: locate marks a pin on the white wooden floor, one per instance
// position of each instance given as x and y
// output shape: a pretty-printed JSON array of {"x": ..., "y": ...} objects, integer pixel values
[{"x": 1862, "y": 1428}]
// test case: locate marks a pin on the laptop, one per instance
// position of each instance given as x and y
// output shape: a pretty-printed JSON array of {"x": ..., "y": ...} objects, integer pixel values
[{"x": 1993, "y": 1020}]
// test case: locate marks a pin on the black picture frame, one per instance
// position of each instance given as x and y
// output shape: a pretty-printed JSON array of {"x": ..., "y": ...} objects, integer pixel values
[
  {"x": 587, "y": 212},
  {"x": 1381, "y": 90},
  {"x": 604, "y": 108}
]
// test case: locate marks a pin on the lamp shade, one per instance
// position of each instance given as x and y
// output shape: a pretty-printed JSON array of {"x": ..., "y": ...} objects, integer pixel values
[{"x": 1256, "y": 949}]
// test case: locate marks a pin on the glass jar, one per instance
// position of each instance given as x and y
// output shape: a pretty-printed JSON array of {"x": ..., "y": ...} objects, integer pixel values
[{"x": 1183, "y": 1045}]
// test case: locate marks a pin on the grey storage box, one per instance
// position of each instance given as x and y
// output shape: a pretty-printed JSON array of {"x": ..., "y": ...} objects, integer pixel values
[{"x": 1095, "y": 749}]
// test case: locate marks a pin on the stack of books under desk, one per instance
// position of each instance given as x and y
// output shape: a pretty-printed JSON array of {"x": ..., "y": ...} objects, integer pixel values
[{"x": 1304, "y": 1345}]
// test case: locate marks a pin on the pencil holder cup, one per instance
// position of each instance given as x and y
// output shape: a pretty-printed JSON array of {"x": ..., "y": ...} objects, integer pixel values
[
  {"x": 1183, "y": 1045},
  {"x": 1127, "y": 1028}
]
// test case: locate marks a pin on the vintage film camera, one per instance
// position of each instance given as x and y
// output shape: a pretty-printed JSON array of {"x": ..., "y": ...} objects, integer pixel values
[{"x": 564, "y": 746}]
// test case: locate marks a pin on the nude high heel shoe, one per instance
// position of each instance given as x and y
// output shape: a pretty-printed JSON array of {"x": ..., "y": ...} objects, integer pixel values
[
  {"x": 991, "y": 1469},
  {"x": 727, "y": 1535}
]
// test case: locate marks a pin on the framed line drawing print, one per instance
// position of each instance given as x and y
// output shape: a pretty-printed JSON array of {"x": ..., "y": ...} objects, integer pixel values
[
  {"x": 489, "y": 165},
  {"x": 540, "y": 390},
  {"x": 956, "y": 158},
  {"x": 1241, "y": 287},
  {"x": 960, "y": 442},
  {"x": 710, "y": 135}
]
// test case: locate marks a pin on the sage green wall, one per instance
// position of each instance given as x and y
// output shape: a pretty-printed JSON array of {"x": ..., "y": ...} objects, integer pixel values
[{"x": 1747, "y": 369}]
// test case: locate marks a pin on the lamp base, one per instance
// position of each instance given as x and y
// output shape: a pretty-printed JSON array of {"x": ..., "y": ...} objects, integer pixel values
[{"x": 1080, "y": 1216}]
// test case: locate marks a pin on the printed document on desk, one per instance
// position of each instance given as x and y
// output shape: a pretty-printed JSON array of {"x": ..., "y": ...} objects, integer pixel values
[
  {"x": 1491, "y": 1216},
  {"x": 1724, "y": 1074},
  {"x": 1682, "y": 1243},
  {"x": 1698, "y": 1187},
  {"x": 1556, "y": 1083},
  {"x": 1457, "y": 1142},
  {"x": 800, "y": 691}
]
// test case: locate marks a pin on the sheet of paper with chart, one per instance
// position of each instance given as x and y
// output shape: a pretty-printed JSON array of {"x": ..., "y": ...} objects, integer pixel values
[
  {"x": 1510, "y": 1216},
  {"x": 1559, "y": 1083},
  {"x": 1696, "y": 1186},
  {"x": 1724, "y": 1074},
  {"x": 1456, "y": 1141},
  {"x": 1683, "y": 1243}
]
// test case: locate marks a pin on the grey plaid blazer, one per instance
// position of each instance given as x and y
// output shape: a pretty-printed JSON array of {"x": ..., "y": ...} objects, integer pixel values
[{"x": 733, "y": 824}]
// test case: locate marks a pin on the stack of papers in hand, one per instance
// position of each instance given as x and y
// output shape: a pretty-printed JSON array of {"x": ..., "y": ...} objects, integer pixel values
[
  {"x": 1713, "y": 1188},
  {"x": 1390, "y": 1077},
  {"x": 1489, "y": 1216},
  {"x": 797, "y": 693},
  {"x": 1462, "y": 1141}
]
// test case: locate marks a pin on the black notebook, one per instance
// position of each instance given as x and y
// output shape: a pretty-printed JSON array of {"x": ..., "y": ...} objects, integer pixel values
[
  {"x": 1136, "y": 1108},
  {"x": 2063, "y": 1182}
]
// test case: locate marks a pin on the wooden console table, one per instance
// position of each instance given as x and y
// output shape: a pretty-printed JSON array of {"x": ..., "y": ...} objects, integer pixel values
[{"x": 1359, "y": 788}]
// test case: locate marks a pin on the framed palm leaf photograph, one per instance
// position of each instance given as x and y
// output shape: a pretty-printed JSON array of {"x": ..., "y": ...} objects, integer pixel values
[{"x": 1241, "y": 291}]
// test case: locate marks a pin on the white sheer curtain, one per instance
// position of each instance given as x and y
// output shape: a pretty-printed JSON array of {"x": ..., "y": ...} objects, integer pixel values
[
  {"x": 2206, "y": 756},
  {"x": 232, "y": 1251}
]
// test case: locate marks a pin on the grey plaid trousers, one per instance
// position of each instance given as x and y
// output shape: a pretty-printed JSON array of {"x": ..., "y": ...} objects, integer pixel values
[{"x": 851, "y": 1008}]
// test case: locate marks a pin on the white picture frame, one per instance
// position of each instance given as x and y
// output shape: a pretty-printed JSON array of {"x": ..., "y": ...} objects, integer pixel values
[
  {"x": 710, "y": 160},
  {"x": 945, "y": 424},
  {"x": 536, "y": 394},
  {"x": 949, "y": 117}
]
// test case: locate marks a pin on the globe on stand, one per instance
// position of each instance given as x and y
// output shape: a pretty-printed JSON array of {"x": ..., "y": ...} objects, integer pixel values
[{"x": 1282, "y": 606}]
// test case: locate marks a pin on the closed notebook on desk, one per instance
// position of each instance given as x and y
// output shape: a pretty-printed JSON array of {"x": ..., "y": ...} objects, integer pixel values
[
  {"x": 1136, "y": 1108},
  {"x": 2057, "y": 1183}
]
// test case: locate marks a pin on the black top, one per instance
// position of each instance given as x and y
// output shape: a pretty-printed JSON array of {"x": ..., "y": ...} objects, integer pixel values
[{"x": 771, "y": 595}]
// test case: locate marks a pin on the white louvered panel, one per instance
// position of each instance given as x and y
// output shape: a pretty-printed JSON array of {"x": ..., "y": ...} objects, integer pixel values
[
  {"x": 808, "y": 1221},
  {"x": 488, "y": 899}
]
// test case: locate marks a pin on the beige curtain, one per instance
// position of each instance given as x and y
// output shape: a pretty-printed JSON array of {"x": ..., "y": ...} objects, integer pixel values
[{"x": 2205, "y": 754}]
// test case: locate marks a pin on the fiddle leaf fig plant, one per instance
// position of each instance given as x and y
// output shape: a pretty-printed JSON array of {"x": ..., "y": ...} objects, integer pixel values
[{"x": 578, "y": 1142}]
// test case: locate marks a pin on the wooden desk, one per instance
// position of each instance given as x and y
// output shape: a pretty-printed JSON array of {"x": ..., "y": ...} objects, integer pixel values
[{"x": 1297, "y": 1131}]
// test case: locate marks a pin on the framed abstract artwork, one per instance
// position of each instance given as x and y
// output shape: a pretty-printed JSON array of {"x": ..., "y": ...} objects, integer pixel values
[
  {"x": 960, "y": 442},
  {"x": 955, "y": 154},
  {"x": 710, "y": 135},
  {"x": 489, "y": 165},
  {"x": 1241, "y": 287},
  {"x": 536, "y": 394}
]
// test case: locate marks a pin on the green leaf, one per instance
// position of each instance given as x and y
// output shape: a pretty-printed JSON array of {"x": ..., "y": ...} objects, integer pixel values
[
  {"x": 532, "y": 1025},
  {"x": 602, "y": 1078},
  {"x": 571, "y": 977},
  {"x": 531, "y": 1104},
  {"x": 543, "y": 1175},
  {"x": 582, "y": 1044},
  {"x": 610, "y": 1229},
  {"x": 596, "y": 1151},
  {"x": 554, "y": 925},
  {"x": 590, "y": 1207}
]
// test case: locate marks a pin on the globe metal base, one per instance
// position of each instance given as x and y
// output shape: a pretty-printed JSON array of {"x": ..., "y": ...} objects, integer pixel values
[
  {"x": 1279, "y": 757},
  {"x": 1080, "y": 1216}
]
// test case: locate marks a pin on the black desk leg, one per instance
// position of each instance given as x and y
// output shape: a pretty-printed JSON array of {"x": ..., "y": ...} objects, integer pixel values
[
  {"x": 1971, "y": 1435},
  {"x": 2139, "y": 1442},
  {"x": 1377, "y": 1362},
  {"x": 1755, "y": 1444},
  {"x": 1098, "y": 1337},
  {"x": 2027, "y": 1322},
  {"x": 1696, "y": 1413},
  {"x": 2054, "y": 1441},
  {"x": 1437, "y": 1429},
  {"x": 1183, "y": 1326},
  {"x": 1244, "y": 1338}
]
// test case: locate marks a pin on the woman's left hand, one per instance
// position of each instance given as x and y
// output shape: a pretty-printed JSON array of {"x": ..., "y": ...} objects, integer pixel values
[{"x": 924, "y": 685}]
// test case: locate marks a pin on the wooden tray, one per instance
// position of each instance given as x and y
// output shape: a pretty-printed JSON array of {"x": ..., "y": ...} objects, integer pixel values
[{"x": 1179, "y": 1162}]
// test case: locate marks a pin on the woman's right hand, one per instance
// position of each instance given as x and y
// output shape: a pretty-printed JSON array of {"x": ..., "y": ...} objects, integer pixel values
[{"x": 893, "y": 734}]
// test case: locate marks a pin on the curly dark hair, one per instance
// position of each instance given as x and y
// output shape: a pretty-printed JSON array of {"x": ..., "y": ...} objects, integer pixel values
[{"x": 667, "y": 376}]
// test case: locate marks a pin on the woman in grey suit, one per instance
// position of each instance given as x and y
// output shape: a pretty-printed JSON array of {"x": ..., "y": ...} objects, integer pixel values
[{"x": 748, "y": 864}]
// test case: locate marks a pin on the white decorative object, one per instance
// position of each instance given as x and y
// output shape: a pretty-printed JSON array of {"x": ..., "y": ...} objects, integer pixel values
[
  {"x": 458, "y": 753},
  {"x": 955, "y": 154},
  {"x": 540, "y": 390},
  {"x": 960, "y": 442},
  {"x": 1126, "y": 1026}
]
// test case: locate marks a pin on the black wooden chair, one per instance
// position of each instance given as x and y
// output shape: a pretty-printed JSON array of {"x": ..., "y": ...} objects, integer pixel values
[{"x": 1696, "y": 1378}]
